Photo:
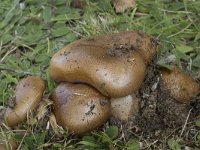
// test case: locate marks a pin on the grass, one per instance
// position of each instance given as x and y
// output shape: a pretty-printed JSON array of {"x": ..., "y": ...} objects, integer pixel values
[{"x": 32, "y": 31}]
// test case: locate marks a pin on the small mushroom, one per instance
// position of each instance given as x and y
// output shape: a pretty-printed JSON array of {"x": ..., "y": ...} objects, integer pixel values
[
  {"x": 28, "y": 94},
  {"x": 124, "y": 108},
  {"x": 79, "y": 108},
  {"x": 122, "y": 5},
  {"x": 9, "y": 145},
  {"x": 181, "y": 86},
  {"x": 114, "y": 64}
]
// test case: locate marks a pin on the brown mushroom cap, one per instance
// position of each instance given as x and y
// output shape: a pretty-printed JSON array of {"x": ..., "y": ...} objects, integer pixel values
[
  {"x": 181, "y": 86},
  {"x": 122, "y": 5},
  {"x": 79, "y": 108},
  {"x": 113, "y": 64},
  {"x": 124, "y": 108},
  {"x": 29, "y": 93},
  {"x": 10, "y": 144}
]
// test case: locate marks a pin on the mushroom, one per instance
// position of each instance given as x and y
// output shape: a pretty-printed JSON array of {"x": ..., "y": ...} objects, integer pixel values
[
  {"x": 114, "y": 64},
  {"x": 122, "y": 5},
  {"x": 181, "y": 86},
  {"x": 28, "y": 94},
  {"x": 124, "y": 108},
  {"x": 10, "y": 144},
  {"x": 79, "y": 108}
]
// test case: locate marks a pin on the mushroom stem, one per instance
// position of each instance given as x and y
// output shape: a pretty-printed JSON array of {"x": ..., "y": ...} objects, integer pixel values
[{"x": 124, "y": 108}]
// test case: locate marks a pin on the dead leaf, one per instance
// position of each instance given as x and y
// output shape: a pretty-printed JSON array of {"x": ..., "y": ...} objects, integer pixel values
[
  {"x": 122, "y": 5},
  {"x": 41, "y": 111},
  {"x": 59, "y": 131}
]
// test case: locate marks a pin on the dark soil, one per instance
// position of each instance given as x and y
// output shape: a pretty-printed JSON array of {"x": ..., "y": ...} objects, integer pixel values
[
  {"x": 159, "y": 116},
  {"x": 120, "y": 50}
]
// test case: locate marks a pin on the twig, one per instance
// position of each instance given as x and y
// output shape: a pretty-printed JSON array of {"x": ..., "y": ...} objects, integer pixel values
[
  {"x": 150, "y": 144},
  {"x": 21, "y": 141},
  {"x": 184, "y": 126},
  {"x": 9, "y": 52},
  {"x": 170, "y": 11},
  {"x": 139, "y": 14},
  {"x": 180, "y": 31},
  {"x": 18, "y": 71}
]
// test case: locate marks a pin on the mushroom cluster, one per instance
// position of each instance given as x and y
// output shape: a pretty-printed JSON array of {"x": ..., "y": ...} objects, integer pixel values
[{"x": 99, "y": 77}]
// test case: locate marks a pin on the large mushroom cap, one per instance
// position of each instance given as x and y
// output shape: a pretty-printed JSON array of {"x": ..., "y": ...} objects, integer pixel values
[
  {"x": 29, "y": 93},
  {"x": 79, "y": 108},
  {"x": 113, "y": 64},
  {"x": 181, "y": 86}
]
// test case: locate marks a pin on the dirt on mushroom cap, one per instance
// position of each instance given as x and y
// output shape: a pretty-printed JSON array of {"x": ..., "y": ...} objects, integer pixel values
[
  {"x": 79, "y": 108},
  {"x": 113, "y": 64},
  {"x": 29, "y": 93}
]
